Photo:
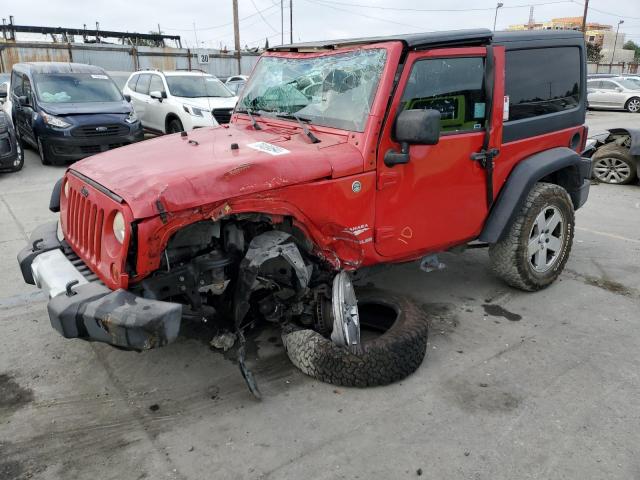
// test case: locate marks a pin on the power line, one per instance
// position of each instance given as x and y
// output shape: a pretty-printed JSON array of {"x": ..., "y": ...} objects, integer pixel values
[
  {"x": 400, "y": 9},
  {"x": 606, "y": 13},
  {"x": 262, "y": 16},
  {"x": 258, "y": 12}
]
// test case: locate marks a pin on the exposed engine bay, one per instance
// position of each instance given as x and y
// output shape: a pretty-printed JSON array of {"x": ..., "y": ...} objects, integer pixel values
[{"x": 245, "y": 268}]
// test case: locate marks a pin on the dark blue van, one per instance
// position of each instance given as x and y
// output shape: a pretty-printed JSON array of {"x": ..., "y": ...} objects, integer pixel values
[{"x": 68, "y": 111}]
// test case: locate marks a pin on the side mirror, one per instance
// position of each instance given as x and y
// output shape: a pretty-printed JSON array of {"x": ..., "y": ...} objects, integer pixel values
[
  {"x": 413, "y": 127},
  {"x": 23, "y": 100},
  {"x": 618, "y": 89},
  {"x": 158, "y": 95},
  {"x": 127, "y": 97}
]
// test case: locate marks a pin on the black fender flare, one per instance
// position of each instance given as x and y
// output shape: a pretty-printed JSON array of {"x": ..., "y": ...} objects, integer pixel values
[
  {"x": 560, "y": 165},
  {"x": 54, "y": 201}
]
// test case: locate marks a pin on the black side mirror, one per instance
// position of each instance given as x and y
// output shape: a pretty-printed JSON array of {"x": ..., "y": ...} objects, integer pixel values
[
  {"x": 23, "y": 100},
  {"x": 413, "y": 127},
  {"x": 158, "y": 95},
  {"x": 127, "y": 97}
]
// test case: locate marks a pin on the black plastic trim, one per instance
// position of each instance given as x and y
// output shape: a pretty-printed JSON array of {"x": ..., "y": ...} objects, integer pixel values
[
  {"x": 54, "y": 202},
  {"x": 97, "y": 186}
]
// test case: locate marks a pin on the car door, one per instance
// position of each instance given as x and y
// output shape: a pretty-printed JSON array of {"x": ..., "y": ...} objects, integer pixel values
[
  {"x": 156, "y": 109},
  {"x": 24, "y": 113},
  {"x": 595, "y": 95},
  {"x": 612, "y": 95},
  {"x": 140, "y": 97},
  {"x": 438, "y": 198}
]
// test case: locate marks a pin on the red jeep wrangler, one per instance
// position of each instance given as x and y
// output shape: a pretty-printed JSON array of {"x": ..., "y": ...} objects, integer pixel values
[{"x": 340, "y": 155}]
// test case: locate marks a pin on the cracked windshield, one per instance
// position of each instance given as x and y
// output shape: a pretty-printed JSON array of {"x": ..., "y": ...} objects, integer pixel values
[{"x": 331, "y": 90}]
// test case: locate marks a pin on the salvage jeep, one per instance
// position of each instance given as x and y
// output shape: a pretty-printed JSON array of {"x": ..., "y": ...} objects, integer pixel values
[{"x": 340, "y": 155}]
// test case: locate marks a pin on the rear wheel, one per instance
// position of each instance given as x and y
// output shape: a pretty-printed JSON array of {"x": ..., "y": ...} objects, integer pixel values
[
  {"x": 18, "y": 163},
  {"x": 175, "y": 126},
  {"x": 614, "y": 164},
  {"x": 535, "y": 249},
  {"x": 633, "y": 105}
]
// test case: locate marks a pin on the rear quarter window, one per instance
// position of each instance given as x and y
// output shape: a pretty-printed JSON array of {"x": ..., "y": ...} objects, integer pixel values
[
  {"x": 132, "y": 83},
  {"x": 542, "y": 81}
]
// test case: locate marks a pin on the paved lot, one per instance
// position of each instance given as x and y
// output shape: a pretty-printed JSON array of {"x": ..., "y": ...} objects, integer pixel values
[{"x": 515, "y": 385}]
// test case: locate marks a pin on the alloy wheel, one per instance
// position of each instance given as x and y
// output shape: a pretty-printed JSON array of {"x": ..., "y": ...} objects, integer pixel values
[
  {"x": 546, "y": 239},
  {"x": 634, "y": 105},
  {"x": 611, "y": 170}
]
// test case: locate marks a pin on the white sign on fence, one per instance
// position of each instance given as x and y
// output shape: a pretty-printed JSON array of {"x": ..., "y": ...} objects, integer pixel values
[{"x": 203, "y": 58}]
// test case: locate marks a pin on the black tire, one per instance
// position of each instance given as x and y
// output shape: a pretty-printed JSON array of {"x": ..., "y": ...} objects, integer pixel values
[
  {"x": 511, "y": 257},
  {"x": 614, "y": 164},
  {"x": 43, "y": 153},
  {"x": 17, "y": 168},
  {"x": 175, "y": 126},
  {"x": 392, "y": 356},
  {"x": 633, "y": 105}
]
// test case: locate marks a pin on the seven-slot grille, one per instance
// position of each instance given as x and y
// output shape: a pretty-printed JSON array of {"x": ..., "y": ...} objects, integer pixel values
[
  {"x": 84, "y": 225},
  {"x": 222, "y": 115},
  {"x": 100, "y": 131}
]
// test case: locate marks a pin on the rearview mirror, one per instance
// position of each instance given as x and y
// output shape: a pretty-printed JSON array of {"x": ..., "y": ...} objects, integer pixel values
[
  {"x": 421, "y": 127},
  {"x": 127, "y": 97},
  {"x": 23, "y": 100},
  {"x": 158, "y": 95}
]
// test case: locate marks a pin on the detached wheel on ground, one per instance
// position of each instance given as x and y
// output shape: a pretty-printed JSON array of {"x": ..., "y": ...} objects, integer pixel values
[
  {"x": 384, "y": 359},
  {"x": 175, "y": 126},
  {"x": 535, "y": 249},
  {"x": 614, "y": 164},
  {"x": 633, "y": 105}
]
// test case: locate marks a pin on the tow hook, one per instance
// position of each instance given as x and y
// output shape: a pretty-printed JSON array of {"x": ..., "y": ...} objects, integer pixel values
[{"x": 346, "y": 320}]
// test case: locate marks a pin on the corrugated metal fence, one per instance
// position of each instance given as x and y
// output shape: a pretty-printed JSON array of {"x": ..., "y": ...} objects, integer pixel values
[{"x": 126, "y": 58}]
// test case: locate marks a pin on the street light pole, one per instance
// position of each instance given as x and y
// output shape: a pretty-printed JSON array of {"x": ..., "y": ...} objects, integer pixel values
[
  {"x": 615, "y": 44},
  {"x": 495, "y": 18}
]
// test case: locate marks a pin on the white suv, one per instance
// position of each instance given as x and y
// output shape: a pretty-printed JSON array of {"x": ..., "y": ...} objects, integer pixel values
[{"x": 173, "y": 101}]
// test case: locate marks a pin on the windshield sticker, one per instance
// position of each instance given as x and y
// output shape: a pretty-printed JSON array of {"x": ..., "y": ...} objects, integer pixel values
[
  {"x": 268, "y": 148},
  {"x": 101, "y": 77}
]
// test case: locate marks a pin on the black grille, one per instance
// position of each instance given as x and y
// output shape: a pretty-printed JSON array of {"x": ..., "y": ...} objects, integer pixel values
[
  {"x": 100, "y": 131},
  {"x": 80, "y": 265},
  {"x": 91, "y": 149},
  {"x": 222, "y": 115}
]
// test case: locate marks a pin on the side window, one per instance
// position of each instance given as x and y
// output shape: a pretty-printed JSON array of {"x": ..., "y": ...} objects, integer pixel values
[
  {"x": 542, "y": 80},
  {"x": 16, "y": 84},
  {"x": 26, "y": 90},
  {"x": 453, "y": 86},
  {"x": 593, "y": 85},
  {"x": 156, "y": 84},
  {"x": 604, "y": 85},
  {"x": 132, "y": 82},
  {"x": 143, "y": 83}
]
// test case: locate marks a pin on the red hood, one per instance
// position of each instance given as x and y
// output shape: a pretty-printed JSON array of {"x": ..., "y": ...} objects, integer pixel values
[{"x": 184, "y": 175}]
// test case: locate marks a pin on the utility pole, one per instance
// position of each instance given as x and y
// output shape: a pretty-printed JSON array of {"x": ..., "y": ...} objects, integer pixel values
[
  {"x": 584, "y": 16},
  {"x": 615, "y": 44},
  {"x": 281, "y": 22},
  {"x": 290, "y": 21},
  {"x": 236, "y": 32}
]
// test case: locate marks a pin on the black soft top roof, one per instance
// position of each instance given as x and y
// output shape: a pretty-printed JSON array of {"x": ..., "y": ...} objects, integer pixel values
[
  {"x": 57, "y": 67},
  {"x": 419, "y": 41}
]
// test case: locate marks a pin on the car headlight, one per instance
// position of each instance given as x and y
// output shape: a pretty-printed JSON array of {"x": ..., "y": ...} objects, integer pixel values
[
  {"x": 55, "y": 122},
  {"x": 119, "y": 227},
  {"x": 195, "y": 111},
  {"x": 132, "y": 118}
]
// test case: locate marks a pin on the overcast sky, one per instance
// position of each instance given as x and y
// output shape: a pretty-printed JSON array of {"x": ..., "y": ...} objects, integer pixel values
[{"x": 312, "y": 19}]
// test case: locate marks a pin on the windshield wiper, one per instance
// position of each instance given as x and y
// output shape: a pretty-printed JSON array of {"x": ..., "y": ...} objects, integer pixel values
[
  {"x": 304, "y": 127},
  {"x": 254, "y": 124}
]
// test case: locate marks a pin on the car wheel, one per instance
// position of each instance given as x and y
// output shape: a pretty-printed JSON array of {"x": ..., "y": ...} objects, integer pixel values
[
  {"x": 614, "y": 164},
  {"x": 43, "y": 154},
  {"x": 633, "y": 105},
  {"x": 18, "y": 163},
  {"x": 175, "y": 126},
  {"x": 535, "y": 249},
  {"x": 395, "y": 351}
]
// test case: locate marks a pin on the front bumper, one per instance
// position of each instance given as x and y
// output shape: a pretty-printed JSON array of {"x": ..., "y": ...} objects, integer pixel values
[{"x": 79, "y": 308}]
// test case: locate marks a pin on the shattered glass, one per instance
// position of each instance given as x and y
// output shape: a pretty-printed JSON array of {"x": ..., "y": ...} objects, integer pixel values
[{"x": 332, "y": 90}]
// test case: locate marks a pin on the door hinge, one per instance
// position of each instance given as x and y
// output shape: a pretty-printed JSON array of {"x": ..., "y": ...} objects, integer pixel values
[
  {"x": 485, "y": 158},
  {"x": 386, "y": 179}
]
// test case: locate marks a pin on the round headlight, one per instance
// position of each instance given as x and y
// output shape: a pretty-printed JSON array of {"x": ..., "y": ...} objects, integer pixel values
[
  {"x": 119, "y": 227},
  {"x": 66, "y": 189}
]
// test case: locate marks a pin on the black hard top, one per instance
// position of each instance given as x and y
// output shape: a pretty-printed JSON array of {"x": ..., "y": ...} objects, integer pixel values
[
  {"x": 480, "y": 36},
  {"x": 57, "y": 67}
]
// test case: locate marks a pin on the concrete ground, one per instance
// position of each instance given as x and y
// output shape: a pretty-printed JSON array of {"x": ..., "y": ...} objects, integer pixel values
[{"x": 515, "y": 385}]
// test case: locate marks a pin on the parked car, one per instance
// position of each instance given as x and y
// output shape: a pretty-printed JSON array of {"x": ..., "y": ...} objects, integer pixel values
[
  {"x": 614, "y": 93},
  {"x": 405, "y": 149},
  {"x": 68, "y": 111},
  {"x": 176, "y": 101},
  {"x": 235, "y": 83},
  {"x": 616, "y": 155},
  {"x": 11, "y": 153}
]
